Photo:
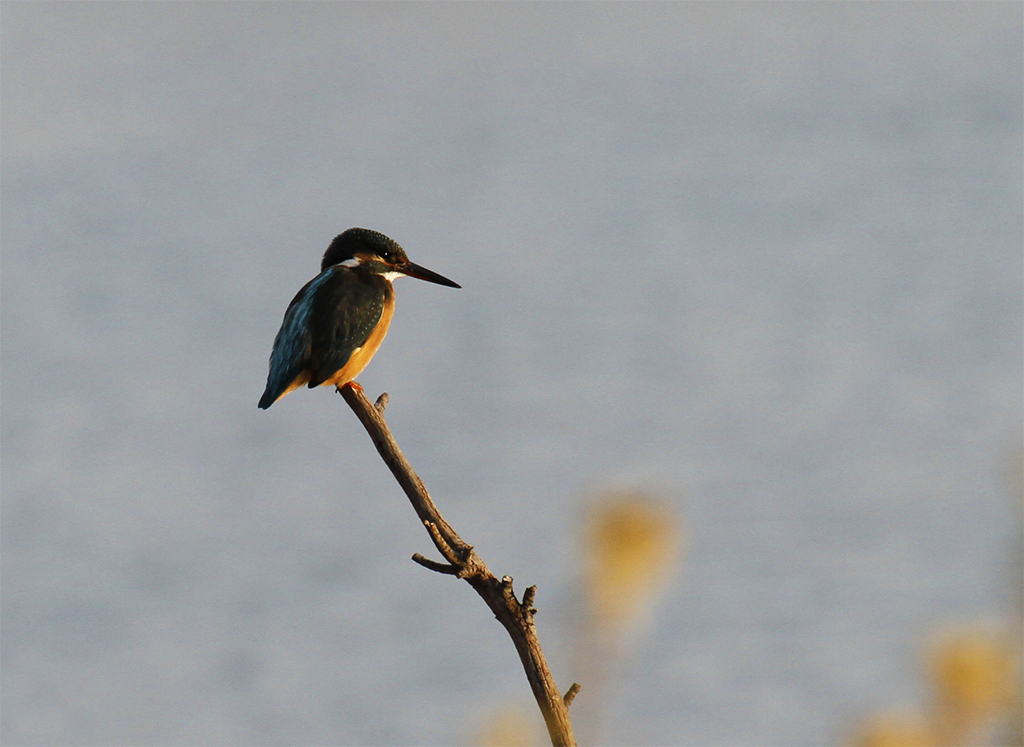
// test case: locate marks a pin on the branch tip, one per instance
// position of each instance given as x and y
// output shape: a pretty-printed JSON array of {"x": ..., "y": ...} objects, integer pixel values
[
  {"x": 571, "y": 693},
  {"x": 381, "y": 403},
  {"x": 528, "y": 596}
]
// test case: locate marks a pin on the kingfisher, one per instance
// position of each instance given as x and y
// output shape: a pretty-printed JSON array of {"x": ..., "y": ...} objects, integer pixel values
[{"x": 336, "y": 323}]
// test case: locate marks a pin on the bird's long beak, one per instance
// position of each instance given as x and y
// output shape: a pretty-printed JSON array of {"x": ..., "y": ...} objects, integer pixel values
[{"x": 415, "y": 271}]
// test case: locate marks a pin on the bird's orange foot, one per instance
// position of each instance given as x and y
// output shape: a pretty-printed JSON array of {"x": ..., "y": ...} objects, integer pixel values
[{"x": 355, "y": 385}]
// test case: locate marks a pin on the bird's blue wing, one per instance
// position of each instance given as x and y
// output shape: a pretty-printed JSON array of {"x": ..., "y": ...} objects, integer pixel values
[
  {"x": 345, "y": 311},
  {"x": 290, "y": 356}
]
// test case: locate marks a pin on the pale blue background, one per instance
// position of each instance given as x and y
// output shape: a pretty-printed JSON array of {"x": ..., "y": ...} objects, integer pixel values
[{"x": 764, "y": 259}]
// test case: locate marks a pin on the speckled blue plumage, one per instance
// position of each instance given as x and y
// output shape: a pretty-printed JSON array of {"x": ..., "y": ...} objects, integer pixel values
[{"x": 328, "y": 319}]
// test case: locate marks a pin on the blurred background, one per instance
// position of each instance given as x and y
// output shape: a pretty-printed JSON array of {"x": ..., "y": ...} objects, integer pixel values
[{"x": 734, "y": 377}]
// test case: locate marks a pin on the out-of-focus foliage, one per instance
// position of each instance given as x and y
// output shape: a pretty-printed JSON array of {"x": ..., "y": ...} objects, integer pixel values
[
  {"x": 632, "y": 544},
  {"x": 895, "y": 730},
  {"x": 971, "y": 672},
  {"x": 974, "y": 674},
  {"x": 509, "y": 726}
]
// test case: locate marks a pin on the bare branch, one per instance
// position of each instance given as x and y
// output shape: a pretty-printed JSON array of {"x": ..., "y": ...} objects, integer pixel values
[
  {"x": 407, "y": 478},
  {"x": 465, "y": 563}
]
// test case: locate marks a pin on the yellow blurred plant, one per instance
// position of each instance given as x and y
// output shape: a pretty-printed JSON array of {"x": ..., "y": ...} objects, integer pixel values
[
  {"x": 972, "y": 673},
  {"x": 973, "y": 677},
  {"x": 895, "y": 730},
  {"x": 631, "y": 548},
  {"x": 632, "y": 544},
  {"x": 509, "y": 726}
]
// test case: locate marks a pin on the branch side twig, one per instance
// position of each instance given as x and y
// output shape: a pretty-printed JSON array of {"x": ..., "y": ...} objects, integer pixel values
[
  {"x": 516, "y": 617},
  {"x": 528, "y": 596},
  {"x": 447, "y": 568},
  {"x": 571, "y": 693}
]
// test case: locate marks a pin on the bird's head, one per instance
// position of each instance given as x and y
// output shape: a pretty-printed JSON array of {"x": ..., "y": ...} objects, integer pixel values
[{"x": 372, "y": 251}]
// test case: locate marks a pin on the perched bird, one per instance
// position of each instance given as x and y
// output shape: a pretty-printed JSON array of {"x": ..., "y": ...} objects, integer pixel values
[{"x": 337, "y": 321}]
